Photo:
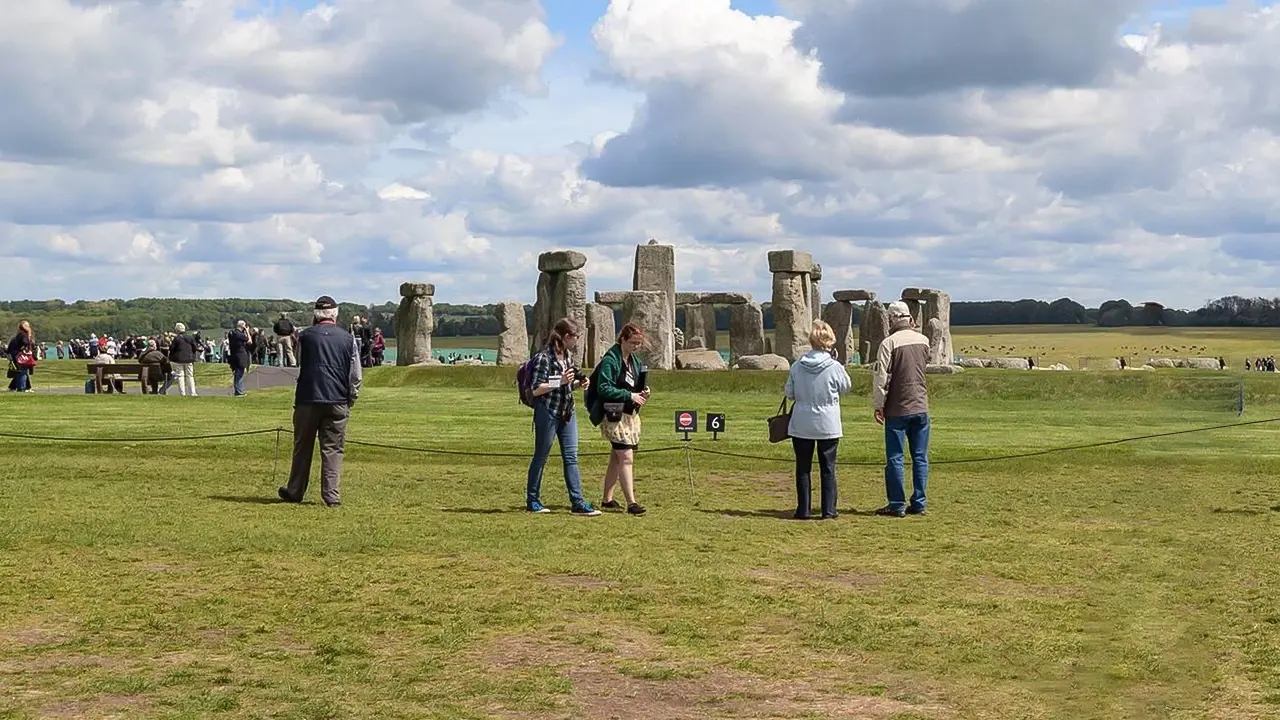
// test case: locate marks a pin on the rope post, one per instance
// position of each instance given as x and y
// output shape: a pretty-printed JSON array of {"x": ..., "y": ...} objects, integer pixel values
[
  {"x": 275, "y": 463},
  {"x": 688, "y": 463}
]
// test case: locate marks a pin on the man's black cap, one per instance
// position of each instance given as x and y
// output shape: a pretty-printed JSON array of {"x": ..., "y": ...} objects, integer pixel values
[{"x": 324, "y": 302}]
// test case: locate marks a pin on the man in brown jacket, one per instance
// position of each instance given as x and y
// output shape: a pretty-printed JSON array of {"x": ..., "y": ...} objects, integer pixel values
[{"x": 900, "y": 399}]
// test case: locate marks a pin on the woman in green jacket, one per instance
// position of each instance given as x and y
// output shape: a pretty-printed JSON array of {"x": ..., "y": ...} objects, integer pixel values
[{"x": 619, "y": 394}]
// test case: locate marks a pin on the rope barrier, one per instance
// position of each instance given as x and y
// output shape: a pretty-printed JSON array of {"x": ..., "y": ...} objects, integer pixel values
[
  {"x": 170, "y": 438},
  {"x": 686, "y": 446}
]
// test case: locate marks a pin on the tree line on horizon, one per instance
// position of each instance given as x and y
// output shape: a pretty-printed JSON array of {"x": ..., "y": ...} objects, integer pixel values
[{"x": 60, "y": 320}]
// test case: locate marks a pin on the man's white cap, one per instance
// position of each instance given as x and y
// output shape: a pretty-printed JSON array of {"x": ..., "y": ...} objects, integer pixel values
[{"x": 898, "y": 309}]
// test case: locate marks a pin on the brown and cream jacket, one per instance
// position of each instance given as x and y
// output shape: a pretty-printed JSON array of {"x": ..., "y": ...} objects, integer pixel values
[{"x": 899, "y": 386}]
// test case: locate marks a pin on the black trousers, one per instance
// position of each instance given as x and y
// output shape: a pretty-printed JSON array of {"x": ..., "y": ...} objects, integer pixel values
[{"x": 804, "y": 471}]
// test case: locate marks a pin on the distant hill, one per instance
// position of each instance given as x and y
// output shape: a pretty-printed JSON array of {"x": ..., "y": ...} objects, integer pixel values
[{"x": 59, "y": 320}]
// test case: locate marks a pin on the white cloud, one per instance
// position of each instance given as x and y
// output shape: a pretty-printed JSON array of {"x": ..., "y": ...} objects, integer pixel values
[{"x": 990, "y": 147}]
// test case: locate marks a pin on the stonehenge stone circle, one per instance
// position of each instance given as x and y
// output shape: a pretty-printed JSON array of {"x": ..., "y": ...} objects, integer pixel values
[
  {"x": 792, "y": 295},
  {"x": 601, "y": 332},
  {"x": 561, "y": 294},
  {"x": 700, "y": 324},
  {"x": 513, "y": 340},
  {"x": 415, "y": 320},
  {"x": 854, "y": 296},
  {"x": 762, "y": 362},
  {"x": 927, "y": 305},
  {"x": 873, "y": 330},
  {"x": 815, "y": 293},
  {"x": 655, "y": 269}
]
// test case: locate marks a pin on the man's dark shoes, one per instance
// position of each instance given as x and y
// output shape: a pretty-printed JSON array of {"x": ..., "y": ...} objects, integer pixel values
[
  {"x": 285, "y": 496},
  {"x": 917, "y": 511},
  {"x": 889, "y": 511},
  {"x": 635, "y": 509},
  {"x": 333, "y": 504}
]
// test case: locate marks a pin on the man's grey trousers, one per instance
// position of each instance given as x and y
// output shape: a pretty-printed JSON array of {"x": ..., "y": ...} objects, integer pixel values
[{"x": 329, "y": 424}]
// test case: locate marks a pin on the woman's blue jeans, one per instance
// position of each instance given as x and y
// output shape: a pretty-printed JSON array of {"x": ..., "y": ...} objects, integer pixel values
[
  {"x": 21, "y": 382},
  {"x": 546, "y": 429}
]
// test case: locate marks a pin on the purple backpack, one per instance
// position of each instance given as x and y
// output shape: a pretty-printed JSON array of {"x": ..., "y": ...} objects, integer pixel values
[{"x": 524, "y": 381}]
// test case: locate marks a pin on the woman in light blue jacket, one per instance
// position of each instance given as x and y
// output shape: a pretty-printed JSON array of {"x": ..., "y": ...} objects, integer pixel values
[{"x": 816, "y": 382}]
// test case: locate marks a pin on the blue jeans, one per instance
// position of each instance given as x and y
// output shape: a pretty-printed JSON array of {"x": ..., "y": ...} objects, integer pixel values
[
  {"x": 21, "y": 382},
  {"x": 237, "y": 381},
  {"x": 546, "y": 429},
  {"x": 898, "y": 432}
]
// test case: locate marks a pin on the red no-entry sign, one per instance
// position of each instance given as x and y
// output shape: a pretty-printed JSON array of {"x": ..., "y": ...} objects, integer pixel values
[{"x": 686, "y": 421}]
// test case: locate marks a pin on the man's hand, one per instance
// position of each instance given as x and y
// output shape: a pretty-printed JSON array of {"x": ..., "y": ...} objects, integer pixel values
[
  {"x": 879, "y": 417},
  {"x": 639, "y": 399}
]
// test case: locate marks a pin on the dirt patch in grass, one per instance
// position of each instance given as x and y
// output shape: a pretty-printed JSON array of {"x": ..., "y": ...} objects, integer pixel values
[
  {"x": 773, "y": 484},
  {"x": 801, "y": 578},
  {"x": 1005, "y": 587},
  {"x": 32, "y": 636},
  {"x": 107, "y": 706},
  {"x": 633, "y": 684},
  {"x": 579, "y": 581},
  {"x": 52, "y": 661}
]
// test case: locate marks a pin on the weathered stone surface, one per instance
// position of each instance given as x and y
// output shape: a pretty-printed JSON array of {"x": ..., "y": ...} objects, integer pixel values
[
  {"x": 1007, "y": 363},
  {"x": 655, "y": 269},
  {"x": 1106, "y": 364},
  {"x": 700, "y": 323},
  {"x": 816, "y": 273},
  {"x": 713, "y": 298},
  {"x": 933, "y": 331},
  {"x": 679, "y": 338},
  {"x": 415, "y": 321},
  {"x": 1203, "y": 363},
  {"x": 560, "y": 295},
  {"x": 792, "y": 319},
  {"x": 839, "y": 315},
  {"x": 695, "y": 343},
  {"x": 699, "y": 360},
  {"x": 650, "y": 311},
  {"x": 513, "y": 340},
  {"x": 790, "y": 261},
  {"x": 1163, "y": 363},
  {"x": 927, "y": 305},
  {"x": 561, "y": 261},
  {"x": 975, "y": 362},
  {"x": 601, "y": 332},
  {"x": 943, "y": 369},
  {"x": 413, "y": 289},
  {"x": 746, "y": 331},
  {"x": 872, "y": 331},
  {"x": 815, "y": 299},
  {"x": 762, "y": 362},
  {"x": 615, "y": 298},
  {"x": 854, "y": 296}
]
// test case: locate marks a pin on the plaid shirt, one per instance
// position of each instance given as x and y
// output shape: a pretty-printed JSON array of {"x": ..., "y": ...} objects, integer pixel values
[{"x": 560, "y": 400}]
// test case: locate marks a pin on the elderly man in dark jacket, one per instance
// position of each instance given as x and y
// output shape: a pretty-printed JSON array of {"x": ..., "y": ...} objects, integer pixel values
[{"x": 328, "y": 385}]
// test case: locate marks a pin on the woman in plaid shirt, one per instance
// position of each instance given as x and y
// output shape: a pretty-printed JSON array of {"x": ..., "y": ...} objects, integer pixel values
[{"x": 554, "y": 380}]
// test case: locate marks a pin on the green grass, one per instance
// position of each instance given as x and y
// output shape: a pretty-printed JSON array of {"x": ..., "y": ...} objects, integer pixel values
[{"x": 1132, "y": 581}]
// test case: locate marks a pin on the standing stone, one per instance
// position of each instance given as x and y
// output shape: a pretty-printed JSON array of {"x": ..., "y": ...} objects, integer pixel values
[
  {"x": 655, "y": 269},
  {"x": 792, "y": 319},
  {"x": 927, "y": 305},
  {"x": 678, "y": 334},
  {"x": 560, "y": 295},
  {"x": 651, "y": 312},
  {"x": 815, "y": 293},
  {"x": 746, "y": 331},
  {"x": 513, "y": 341},
  {"x": 873, "y": 331},
  {"x": 601, "y": 333},
  {"x": 839, "y": 315},
  {"x": 415, "y": 321},
  {"x": 933, "y": 331},
  {"x": 700, "y": 322}
]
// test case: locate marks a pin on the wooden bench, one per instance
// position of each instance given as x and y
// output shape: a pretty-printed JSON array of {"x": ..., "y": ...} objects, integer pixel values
[{"x": 125, "y": 372}]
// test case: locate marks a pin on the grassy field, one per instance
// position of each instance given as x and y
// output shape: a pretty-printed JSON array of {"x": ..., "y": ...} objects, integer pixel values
[
  {"x": 149, "y": 580},
  {"x": 1070, "y": 344}
]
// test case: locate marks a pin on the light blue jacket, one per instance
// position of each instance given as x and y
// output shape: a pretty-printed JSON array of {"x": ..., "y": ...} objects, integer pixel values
[{"x": 815, "y": 384}]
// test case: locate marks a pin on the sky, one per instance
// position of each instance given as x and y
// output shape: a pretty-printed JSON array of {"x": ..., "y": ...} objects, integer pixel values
[{"x": 994, "y": 149}]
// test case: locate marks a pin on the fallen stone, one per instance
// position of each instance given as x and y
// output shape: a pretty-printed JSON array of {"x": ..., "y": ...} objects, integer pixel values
[
  {"x": 762, "y": 362},
  {"x": 854, "y": 296},
  {"x": 561, "y": 261},
  {"x": 699, "y": 360},
  {"x": 413, "y": 289},
  {"x": 974, "y": 363},
  {"x": 790, "y": 261},
  {"x": 943, "y": 369},
  {"x": 1164, "y": 363},
  {"x": 1203, "y": 363},
  {"x": 1010, "y": 363}
]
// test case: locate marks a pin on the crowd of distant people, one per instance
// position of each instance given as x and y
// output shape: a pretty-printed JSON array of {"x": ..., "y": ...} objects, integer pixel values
[{"x": 1266, "y": 364}]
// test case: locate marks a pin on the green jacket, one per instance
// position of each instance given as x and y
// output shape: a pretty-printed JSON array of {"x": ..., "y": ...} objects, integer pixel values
[{"x": 609, "y": 384}]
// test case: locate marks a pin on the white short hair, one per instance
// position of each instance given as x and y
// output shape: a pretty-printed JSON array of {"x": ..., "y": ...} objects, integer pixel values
[
  {"x": 329, "y": 314},
  {"x": 180, "y": 327}
]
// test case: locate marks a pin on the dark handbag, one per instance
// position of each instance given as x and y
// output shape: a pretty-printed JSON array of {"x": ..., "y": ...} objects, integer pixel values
[{"x": 780, "y": 424}]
